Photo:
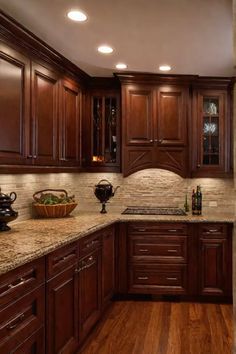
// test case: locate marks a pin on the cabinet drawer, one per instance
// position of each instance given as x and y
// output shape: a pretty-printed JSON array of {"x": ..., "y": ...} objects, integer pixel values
[
  {"x": 158, "y": 279},
  {"x": 90, "y": 243},
  {"x": 19, "y": 320},
  {"x": 21, "y": 280},
  {"x": 158, "y": 248},
  {"x": 158, "y": 228},
  {"x": 60, "y": 259},
  {"x": 213, "y": 230},
  {"x": 32, "y": 345}
]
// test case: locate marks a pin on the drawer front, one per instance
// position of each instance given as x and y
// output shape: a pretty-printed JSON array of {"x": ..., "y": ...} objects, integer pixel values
[
  {"x": 21, "y": 280},
  {"x": 158, "y": 279},
  {"x": 19, "y": 320},
  {"x": 158, "y": 248},
  {"x": 61, "y": 259},
  {"x": 213, "y": 230},
  {"x": 32, "y": 345},
  {"x": 158, "y": 228},
  {"x": 90, "y": 243}
]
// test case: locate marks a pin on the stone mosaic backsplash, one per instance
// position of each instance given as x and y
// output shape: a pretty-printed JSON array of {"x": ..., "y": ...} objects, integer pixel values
[{"x": 153, "y": 187}]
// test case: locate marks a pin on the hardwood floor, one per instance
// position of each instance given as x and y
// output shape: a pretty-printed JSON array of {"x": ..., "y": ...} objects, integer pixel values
[{"x": 151, "y": 327}]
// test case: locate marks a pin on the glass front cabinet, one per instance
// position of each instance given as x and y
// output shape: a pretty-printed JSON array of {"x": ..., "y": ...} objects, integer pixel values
[
  {"x": 210, "y": 132},
  {"x": 104, "y": 147}
]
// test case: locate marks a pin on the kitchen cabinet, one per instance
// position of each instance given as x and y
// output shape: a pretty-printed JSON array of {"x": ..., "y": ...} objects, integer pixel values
[
  {"x": 101, "y": 149},
  {"x": 158, "y": 258},
  {"x": 211, "y": 151},
  {"x": 154, "y": 120},
  {"x": 33, "y": 345},
  {"x": 90, "y": 291},
  {"x": 22, "y": 308},
  {"x": 215, "y": 260},
  {"x": 70, "y": 124},
  {"x": 108, "y": 265},
  {"x": 15, "y": 105},
  {"x": 45, "y": 85},
  {"x": 62, "y": 299}
]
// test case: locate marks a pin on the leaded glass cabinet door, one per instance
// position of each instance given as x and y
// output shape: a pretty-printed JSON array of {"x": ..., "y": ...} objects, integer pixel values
[
  {"x": 105, "y": 130},
  {"x": 213, "y": 148}
]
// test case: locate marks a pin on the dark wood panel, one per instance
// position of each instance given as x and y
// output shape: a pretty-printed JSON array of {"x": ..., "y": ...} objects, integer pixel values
[
  {"x": 108, "y": 265},
  {"x": 62, "y": 313},
  {"x": 70, "y": 125},
  {"x": 137, "y": 158},
  {"x": 44, "y": 115},
  {"x": 35, "y": 344},
  {"x": 14, "y": 103},
  {"x": 165, "y": 228},
  {"x": 171, "y": 116},
  {"x": 173, "y": 159},
  {"x": 138, "y": 115},
  {"x": 90, "y": 292}
]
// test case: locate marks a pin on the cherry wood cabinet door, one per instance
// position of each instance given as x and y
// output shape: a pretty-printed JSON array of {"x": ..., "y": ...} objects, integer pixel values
[
  {"x": 44, "y": 115},
  {"x": 90, "y": 291},
  {"x": 171, "y": 126},
  {"x": 62, "y": 313},
  {"x": 108, "y": 265},
  {"x": 138, "y": 115},
  {"x": 14, "y": 103},
  {"x": 70, "y": 124},
  {"x": 215, "y": 261}
]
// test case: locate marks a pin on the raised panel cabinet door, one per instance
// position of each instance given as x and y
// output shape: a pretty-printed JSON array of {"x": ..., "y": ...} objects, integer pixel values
[
  {"x": 62, "y": 313},
  {"x": 70, "y": 131},
  {"x": 90, "y": 292},
  {"x": 44, "y": 115},
  {"x": 138, "y": 115},
  {"x": 213, "y": 266},
  {"x": 171, "y": 115},
  {"x": 14, "y": 106},
  {"x": 108, "y": 265}
]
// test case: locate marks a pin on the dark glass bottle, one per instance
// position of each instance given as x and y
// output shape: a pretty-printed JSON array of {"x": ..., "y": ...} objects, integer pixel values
[
  {"x": 199, "y": 200},
  {"x": 194, "y": 203}
]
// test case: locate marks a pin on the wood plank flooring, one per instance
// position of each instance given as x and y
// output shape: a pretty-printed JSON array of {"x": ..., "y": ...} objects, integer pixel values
[{"x": 152, "y": 327}]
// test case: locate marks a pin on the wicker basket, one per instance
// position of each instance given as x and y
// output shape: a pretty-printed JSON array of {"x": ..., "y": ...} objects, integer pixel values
[{"x": 55, "y": 210}]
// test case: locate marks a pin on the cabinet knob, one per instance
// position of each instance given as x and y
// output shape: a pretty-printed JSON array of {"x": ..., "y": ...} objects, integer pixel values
[
  {"x": 29, "y": 156},
  {"x": 151, "y": 140},
  {"x": 160, "y": 141},
  {"x": 198, "y": 166}
]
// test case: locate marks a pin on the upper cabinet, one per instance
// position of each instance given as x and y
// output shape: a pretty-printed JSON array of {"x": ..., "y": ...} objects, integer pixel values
[
  {"x": 44, "y": 116},
  {"x": 101, "y": 130},
  {"x": 154, "y": 121},
  {"x": 14, "y": 106},
  {"x": 211, "y": 133}
]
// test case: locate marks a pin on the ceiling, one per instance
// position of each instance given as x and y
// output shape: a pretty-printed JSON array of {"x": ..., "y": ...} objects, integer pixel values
[{"x": 193, "y": 36}]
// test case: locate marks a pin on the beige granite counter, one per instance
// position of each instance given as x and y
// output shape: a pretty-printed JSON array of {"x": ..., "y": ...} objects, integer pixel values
[{"x": 34, "y": 238}]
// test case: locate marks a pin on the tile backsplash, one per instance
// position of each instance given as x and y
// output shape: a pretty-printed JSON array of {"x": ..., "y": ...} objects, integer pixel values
[{"x": 148, "y": 187}]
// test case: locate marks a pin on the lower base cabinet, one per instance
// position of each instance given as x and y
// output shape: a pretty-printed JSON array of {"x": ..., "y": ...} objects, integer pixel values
[
  {"x": 89, "y": 292},
  {"x": 32, "y": 345},
  {"x": 63, "y": 313}
]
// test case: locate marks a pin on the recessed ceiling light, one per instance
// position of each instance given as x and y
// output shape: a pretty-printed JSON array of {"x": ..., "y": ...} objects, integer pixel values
[
  {"x": 165, "y": 67},
  {"x": 76, "y": 15},
  {"x": 121, "y": 66},
  {"x": 105, "y": 49}
]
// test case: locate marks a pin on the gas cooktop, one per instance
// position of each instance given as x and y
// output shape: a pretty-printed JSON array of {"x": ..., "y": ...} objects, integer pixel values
[{"x": 153, "y": 211}]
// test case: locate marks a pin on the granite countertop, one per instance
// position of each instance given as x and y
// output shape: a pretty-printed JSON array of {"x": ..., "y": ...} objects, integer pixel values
[{"x": 34, "y": 238}]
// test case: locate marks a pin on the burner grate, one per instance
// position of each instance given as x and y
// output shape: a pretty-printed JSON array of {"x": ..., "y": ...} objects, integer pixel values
[{"x": 153, "y": 211}]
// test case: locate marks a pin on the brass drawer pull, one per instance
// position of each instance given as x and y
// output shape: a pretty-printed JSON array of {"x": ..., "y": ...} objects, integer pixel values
[
  {"x": 18, "y": 321},
  {"x": 213, "y": 230},
  {"x": 172, "y": 230},
  {"x": 142, "y": 229},
  {"x": 92, "y": 243},
  {"x": 168, "y": 278},
  {"x": 172, "y": 251},
  {"x": 143, "y": 250},
  {"x": 21, "y": 282},
  {"x": 89, "y": 265},
  {"x": 143, "y": 278}
]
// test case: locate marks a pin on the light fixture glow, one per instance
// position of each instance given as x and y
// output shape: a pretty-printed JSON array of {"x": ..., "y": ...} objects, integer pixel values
[
  {"x": 165, "y": 67},
  {"x": 121, "y": 66},
  {"x": 105, "y": 49},
  {"x": 76, "y": 15}
]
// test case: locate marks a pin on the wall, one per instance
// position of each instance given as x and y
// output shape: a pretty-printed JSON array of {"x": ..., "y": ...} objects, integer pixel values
[{"x": 147, "y": 187}]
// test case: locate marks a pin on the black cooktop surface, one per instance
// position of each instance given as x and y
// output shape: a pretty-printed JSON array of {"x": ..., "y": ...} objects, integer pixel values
[{"x": 153, "y": 211}]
